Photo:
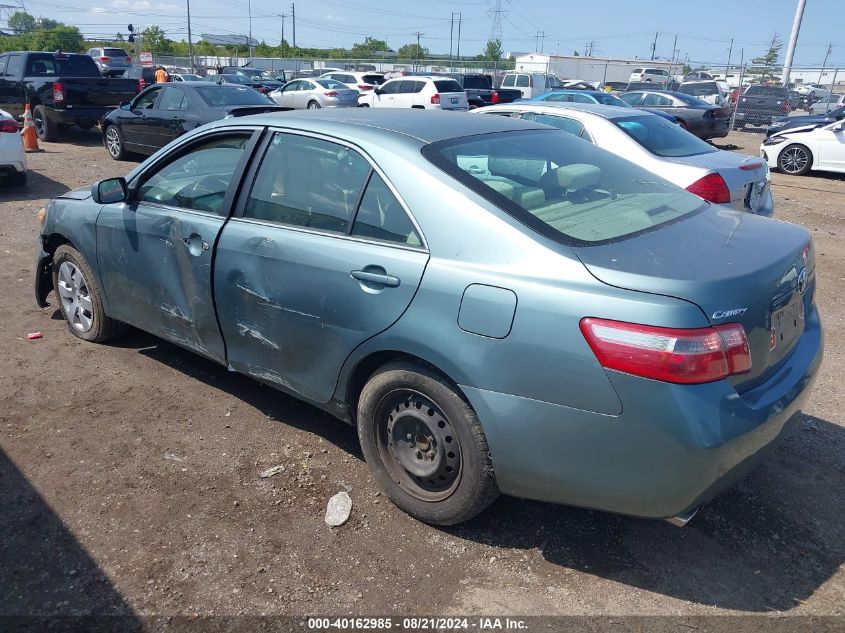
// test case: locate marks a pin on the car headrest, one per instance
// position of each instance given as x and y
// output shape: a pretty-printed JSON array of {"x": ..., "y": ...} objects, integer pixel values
[{"x": 578, "y": 176}]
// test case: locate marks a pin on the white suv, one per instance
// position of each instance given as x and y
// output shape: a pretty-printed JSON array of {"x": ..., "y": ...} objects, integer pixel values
[
  {"x": 438, "y": 93},
  {"x": 657, "y": 75}
]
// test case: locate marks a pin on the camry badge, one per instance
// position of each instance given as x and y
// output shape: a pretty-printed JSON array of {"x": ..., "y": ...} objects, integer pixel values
[
  {"x": 802, "y": 281},
  {"x": 724, "y": 314}
]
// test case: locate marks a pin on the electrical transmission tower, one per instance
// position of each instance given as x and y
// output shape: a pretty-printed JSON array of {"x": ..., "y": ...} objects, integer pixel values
[{"x": 497, "y": 12}]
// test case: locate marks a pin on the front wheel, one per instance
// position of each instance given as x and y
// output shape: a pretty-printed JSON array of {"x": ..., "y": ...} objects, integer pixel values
[
  {"x": 425, "y": 445},
  {"x": 79, "y": 296},
  {"x": 363, "y": 105},
  {"x": 114, "y": 143},
  {"x": 795, "y": 160}
]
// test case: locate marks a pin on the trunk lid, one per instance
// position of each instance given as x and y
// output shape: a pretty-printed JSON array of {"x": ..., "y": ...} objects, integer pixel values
[
  {"x": 97, "y": 91},
  {"x": 747, "y": 177},
  {"x": 737, "y": 267}
]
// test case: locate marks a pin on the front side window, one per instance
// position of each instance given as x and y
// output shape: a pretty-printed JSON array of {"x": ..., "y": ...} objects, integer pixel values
[
  {"x": 307, "y": 182},
  {"x": 146, "y": 100},
  {"x": 198, "y": 179},
  {"x": 562, "y": 187},
  {"x": 380, "y": 216},
  {"x": 390, "y": 88},
  {"x": 522, "y": 81}
]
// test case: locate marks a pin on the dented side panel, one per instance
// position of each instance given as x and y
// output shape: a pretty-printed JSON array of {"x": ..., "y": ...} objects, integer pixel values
[
  {"x": 290, "y": 310},
  {"x": 156, "y": 272}
]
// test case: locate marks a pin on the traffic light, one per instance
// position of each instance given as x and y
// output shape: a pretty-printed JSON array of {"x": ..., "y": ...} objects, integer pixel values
[{"x": 131, "y": 33}]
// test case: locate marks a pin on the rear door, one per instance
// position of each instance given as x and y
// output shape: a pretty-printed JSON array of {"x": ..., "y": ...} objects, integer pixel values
[
  {"x": 172, "y": 113},
  {"x": 300, "y": 279},
  {"x": 155, "y": 251}
]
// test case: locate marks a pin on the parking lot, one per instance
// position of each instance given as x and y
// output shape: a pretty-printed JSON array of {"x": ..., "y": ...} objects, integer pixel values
[{"x": 129, "y": 474}]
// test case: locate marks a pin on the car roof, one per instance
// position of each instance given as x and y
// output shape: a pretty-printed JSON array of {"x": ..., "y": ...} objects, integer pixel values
[
  {"x": 427, "y": 126},
  {"x": 604, "y": 111},
  {"x": 573, "y": 91}
]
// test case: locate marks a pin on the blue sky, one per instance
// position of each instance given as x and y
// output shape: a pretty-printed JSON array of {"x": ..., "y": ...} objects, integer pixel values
[{"x": 618, "y": 28}]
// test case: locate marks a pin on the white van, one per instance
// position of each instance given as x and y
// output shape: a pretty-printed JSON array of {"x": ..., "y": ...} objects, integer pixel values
[
  {"x": 531, "y": 84},
  {"x": 657, "y": 75}
]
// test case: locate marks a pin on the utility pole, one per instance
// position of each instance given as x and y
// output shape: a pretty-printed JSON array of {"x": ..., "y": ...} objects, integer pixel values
[
  {"x": 824, "y": 63},
  {"x": 654, "y": 46},
  {"x": 541, "y": 35},
  {"x": 418, "y": 51},
  {"x": 674, "y": 48},
  {"x": 460, "y": 19},
  {"x": 730, "y": 50},
  {"x": 793, "y": 40},
  {"x": 249, "y": 10},
  {"x": 451, "y": 34},
  {"x": 190, "y": 42},
  {"x": 293, "y": 22},
  {"x": 283, "y": 16}
]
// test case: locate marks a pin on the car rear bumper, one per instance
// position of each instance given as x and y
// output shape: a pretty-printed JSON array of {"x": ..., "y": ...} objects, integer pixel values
[{"x": 672, "y": 448}]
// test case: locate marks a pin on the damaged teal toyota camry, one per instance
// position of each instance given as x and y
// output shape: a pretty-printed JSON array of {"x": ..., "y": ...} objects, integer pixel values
[{"x": 496, "y": 305}]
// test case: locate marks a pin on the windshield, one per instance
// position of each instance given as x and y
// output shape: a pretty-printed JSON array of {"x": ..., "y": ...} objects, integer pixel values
[
  {"x": 663, "y": 138},
  {"x": 217, "y": 96},
  {"x": 561, "y": 186},
  {"x": 236, "y": 79}
]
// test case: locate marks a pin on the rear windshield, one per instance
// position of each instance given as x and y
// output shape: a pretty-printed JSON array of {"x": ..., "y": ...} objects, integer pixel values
[
  {"x": 447, "y": 85},
  {"x": 609, "y": 99},
  {"x": 767, "y": 90},
  {"x": 699, "y": 90},
  {"x": 477, "y": 82},
  {"x": 331, "y": 84},
  {"x": 376, "y": 80},
  {"x": 114, "y": 52},
  {"x": 662, "y": 137},
  {"x": 217, "y": 96},
  {"x": 561, "y": 186},
  {"x": 50, "y": 65}
]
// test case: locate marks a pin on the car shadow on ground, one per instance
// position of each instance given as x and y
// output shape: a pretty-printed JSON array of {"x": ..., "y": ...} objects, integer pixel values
[
  {"x": 83, "y": 138},
  {"x": 38, "y": 186},
  {"x": 765, "y": 545},
  {"x": 49, "y": 581}
]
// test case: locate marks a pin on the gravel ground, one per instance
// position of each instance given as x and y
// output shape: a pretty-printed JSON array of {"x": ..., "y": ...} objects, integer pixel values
[{"x": 129, "y": 482}]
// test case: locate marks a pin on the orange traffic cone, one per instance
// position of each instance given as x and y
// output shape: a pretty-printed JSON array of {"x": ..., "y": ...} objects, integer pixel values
[{"x": 30, "y": 138}]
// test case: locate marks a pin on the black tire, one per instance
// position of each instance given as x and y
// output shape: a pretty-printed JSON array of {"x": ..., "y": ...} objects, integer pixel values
[
  {"x": 113, "y": 133},
  {"x": 102, "y": 328},
  {"x": 313, "y": 105},
  {"x": 45, "y": 128},
  {"x": 445, "y": 431},
  {"x": 795, "y": 160},
  {"x": 16, "y": 179},
  {"x": 363, "y": 105}
]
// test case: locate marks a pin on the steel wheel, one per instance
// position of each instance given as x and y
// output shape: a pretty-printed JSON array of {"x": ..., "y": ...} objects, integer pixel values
[
  {"x": 795, "y": 160},
  {"x": 418, "y": 445},
  {"x": 113, "y": 143},
  {"x": 75, "y": 297}
]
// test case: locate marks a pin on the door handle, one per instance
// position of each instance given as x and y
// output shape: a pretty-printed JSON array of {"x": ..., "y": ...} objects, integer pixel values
[
  {"x": 196, "y": 245},
  {"x": 381, "y": 279}
]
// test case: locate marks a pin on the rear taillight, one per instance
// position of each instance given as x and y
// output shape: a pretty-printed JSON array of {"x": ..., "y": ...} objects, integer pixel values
[
  {"x": 141, "y": 84},
  {"x": 712, "y": 188},
  {"x": 128, "y": 59},
  {"x": 786, "y": 108},
  {"x": 494, "y": 98},
  {"x": 58, "y": 92},
  {"x": 364, "y": 87},
  {"x": 104, "y": 59},
  {"x": 685, "y": 356},
  {"x": 754, "y": 166},
  {"x": 8, "y": 126},
  {"x": 331, "y": 93},
  {"x": 435, "y": 98}
]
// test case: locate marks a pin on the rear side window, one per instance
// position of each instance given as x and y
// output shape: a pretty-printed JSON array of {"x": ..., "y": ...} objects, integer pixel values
[
  {"x": 50, "y": 65},
  {"x": 381, "y": 217},
  {"x": 522, "y": 81},
  {"x": 657, "y": 100},
  {"x": 632, "y": 98},
  {"x": 307, "y": 182},
  {"x": 563, "y": 97},
  {"x": 447, "y": 85},
  {"x": 561, "y": 187},
  {"x": 509, "y": 81},
  {"x": 15, "y": 66},
  {"x": 571, "y": 126}
]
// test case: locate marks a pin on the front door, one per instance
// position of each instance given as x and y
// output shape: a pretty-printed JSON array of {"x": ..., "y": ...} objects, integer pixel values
[
  {"x": 138, "y": 125},
  {"x": 300, "y": 279},
  {"x": 155, "y": 251},
  {"x": 832, "y": 147}
]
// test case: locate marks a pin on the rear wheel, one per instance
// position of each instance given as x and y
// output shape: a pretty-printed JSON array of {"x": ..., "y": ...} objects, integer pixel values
[
  {"x": 313, "y": 105},
  {"x": 45, "y": 127},
  {"x": 425, "y": 445},
  {"x": 79, "y": 296},
  {"x": 795, "y": 160}
]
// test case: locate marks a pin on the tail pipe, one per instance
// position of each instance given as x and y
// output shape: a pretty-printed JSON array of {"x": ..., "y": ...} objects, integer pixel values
[{"x": 680, "y": 520}]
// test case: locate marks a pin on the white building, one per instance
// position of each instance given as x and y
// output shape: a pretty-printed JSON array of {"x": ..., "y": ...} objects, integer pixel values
[{"x": 598, "y": 69}]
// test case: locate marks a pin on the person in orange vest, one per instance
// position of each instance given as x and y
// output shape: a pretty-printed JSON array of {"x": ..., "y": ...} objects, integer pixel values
[{"x": 161, "y": 75}]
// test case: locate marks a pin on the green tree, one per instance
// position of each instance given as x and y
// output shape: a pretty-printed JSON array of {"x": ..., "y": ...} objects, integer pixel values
[
  {"x": 412, "y": 51},
  {"x": 765, "y": 68},
  {"x": 47, "y": 23},
  {"x": 61, "y": 38},
  {"x": 21, "y": 22},
  {"x": 154, "y": 39},
  {"x": 370, "y": 45},
  {"x": 119, "y": 37},
  {"x": 493, "y": 50}
]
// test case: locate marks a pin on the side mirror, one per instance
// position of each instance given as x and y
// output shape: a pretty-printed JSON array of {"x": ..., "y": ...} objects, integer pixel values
[{"x": 109, "y": 191}]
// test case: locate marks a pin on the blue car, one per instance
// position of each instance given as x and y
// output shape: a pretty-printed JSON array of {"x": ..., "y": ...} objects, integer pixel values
[
  {"x": 590, "y": 96},
  {"x": 496, "y": 305}
]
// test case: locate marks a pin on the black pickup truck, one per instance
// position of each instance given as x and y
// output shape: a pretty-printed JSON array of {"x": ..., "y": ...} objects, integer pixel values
[
  {"x": 63, "y": 89},
  {"x": 480, "y": 91},
  {"x": 760, "y": 105}
]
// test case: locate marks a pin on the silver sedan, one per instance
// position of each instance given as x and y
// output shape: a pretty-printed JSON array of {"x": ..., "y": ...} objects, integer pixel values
[{"x": 312, "y": 94}]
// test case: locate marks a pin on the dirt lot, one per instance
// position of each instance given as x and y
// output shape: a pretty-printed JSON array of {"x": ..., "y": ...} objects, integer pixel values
[{"x": 129, "y": 482}]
